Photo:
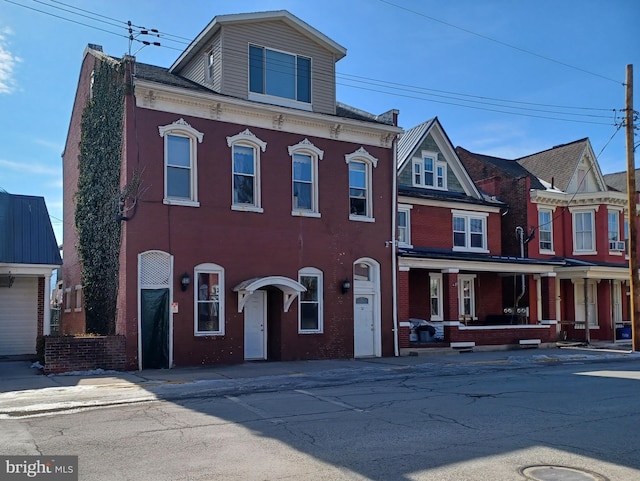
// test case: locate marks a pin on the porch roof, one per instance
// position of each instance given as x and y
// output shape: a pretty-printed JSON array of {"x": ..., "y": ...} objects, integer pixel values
[
  {"x": 290, "y": 289},
  {"x": 582, "y": 269},
  {"x": 470, "y": 261}
]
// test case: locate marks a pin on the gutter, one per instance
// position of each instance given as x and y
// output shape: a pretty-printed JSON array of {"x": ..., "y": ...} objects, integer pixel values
[{"x": 394, "y": 246}]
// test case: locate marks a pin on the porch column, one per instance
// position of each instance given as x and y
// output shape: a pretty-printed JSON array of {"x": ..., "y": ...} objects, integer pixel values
[
  {"x": 450, "y": 294},
  {"x": 46, "y": 314},
  {"x": 548, "y": 294}
]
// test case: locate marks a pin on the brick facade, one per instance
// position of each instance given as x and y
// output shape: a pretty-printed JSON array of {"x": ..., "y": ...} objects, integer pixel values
[{"x": 66, "y": 353}]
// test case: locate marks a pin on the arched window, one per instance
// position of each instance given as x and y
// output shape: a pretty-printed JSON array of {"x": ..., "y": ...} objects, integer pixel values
[
  {"x": 180, "y": 162},
  {"x": 310, "y": 302},
  {"x": 245, "y": 159},
  {"x": 361, "y": 165},
  {"x": 304, "y": 173},
  {"x": 209, "y": 292}
]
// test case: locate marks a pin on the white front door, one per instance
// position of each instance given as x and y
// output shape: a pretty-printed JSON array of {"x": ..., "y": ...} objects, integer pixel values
[
  {"x": 592, "y": 305},
  {"x": 255, "y": 326},
  {"x": 363, "y": 327}
]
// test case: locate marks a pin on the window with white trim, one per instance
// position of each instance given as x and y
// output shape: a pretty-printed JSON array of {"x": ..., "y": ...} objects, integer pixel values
[
  {"x": 310, "y": 302},
  {"x": 583, "y": 231},
  {"x": 209, "y": 65},
  {"x": 545, "y": 230},
  {"x": 613, "y": 225},
  {"x": 274, "y": 73},
  {"x": 429, "y": 172},
  {"x": 435, "y": 296},
  {"x": 466, "y": 295},
  {"x": 78, "y": 306},
  {"x": 245, "y": 167},
  {"x": 67, "y": 299},
  {"x": 470, "y": 231},
  {"x": 180, "y": 161},
  {"x": 361, "y": 165},
  {"x": 209, "y": 300},
  {"x": 304, "y": 170},
  {"x": 404, "y": 225}
]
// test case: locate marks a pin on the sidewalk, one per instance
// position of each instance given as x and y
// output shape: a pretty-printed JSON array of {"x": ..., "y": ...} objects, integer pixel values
[{"x": 19, "y": 376}]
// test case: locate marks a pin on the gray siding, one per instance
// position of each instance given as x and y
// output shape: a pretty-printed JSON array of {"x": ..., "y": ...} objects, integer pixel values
[
  {"x": 195, "y": 70},
  {"x": 276, "y": 35},
  {"x": 405, "y": 179}
]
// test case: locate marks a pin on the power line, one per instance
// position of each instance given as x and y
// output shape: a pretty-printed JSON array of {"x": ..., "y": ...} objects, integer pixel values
[{"x": 500, "y": 42}]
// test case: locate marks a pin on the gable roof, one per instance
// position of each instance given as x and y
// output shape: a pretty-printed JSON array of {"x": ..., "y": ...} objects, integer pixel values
[
  {"x": 26, "y": 235},
  {"x": 509, "y": 168},
  {"x": 411, "y": 139},
  {"x": 618, "y": 180},
  {"x": 558, "y": 165},
  {"x": 304, "y": 28}
]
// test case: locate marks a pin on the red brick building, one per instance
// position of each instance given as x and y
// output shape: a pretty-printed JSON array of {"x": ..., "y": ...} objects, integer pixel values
[
  {"x": 569, "y": 215},
  {"x": 263, "y": 230},
  {"x": 454, "y": 279}
]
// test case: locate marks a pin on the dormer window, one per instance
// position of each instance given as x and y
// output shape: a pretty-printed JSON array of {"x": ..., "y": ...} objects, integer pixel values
[
  {"x": 429, "y": 172},
  {"x": 209, "y": 61},
  {"x": 274, "y": 73}
]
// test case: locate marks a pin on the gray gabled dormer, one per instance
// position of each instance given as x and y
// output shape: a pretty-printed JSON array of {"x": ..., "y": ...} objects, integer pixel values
[{"x": 270, "y": 57}]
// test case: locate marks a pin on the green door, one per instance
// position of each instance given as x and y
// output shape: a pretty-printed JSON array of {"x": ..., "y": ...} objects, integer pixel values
[{"x": 155, "y": 328}]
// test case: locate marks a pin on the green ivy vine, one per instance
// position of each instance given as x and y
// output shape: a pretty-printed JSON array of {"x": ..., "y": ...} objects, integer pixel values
[{"x": 98, "y": 199}]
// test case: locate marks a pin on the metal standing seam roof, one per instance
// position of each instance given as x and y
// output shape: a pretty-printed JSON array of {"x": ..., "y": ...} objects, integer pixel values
[
  {"x": 558, "y": 163},
  {"x": 26, "y": 234},
  {"x": 410, "y": 138}
]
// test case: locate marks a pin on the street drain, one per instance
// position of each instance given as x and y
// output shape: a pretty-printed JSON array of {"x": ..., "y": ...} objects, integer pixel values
[{"x": 560, "y": 473}]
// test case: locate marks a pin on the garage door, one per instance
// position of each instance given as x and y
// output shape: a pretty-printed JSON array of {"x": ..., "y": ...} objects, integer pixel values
[{"x": 19, "y": 317}]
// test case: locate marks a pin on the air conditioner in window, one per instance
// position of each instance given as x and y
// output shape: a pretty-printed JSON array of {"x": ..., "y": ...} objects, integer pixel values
[{"x": 616, "y": 246}]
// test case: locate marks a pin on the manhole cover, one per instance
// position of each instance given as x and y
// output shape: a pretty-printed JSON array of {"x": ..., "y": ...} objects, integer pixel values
[{"x": 560, "y": 473}]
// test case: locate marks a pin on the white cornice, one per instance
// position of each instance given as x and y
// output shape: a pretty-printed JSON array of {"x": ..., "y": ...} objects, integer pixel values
[
  {"x": 447, "y": 204},
  {"x": 582, "y": 198},
  {"x": 209, "y": 105}
]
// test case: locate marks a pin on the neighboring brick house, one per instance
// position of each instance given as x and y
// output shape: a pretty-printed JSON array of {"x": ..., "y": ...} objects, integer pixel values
[
  {"x": 28, "y": 256},
  {"x": 264, "y": 229},
  {"x": 452, "y": 271},
  {"x": 571, "y": 216}
]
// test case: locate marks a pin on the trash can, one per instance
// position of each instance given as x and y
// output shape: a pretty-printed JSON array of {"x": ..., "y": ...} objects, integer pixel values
[
  {"x": 425, "y": 333},
  {"x": 623, "y": 332}
]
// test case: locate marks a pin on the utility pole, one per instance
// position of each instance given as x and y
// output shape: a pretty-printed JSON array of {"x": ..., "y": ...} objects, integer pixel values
[{"x": 634, "y": 289}]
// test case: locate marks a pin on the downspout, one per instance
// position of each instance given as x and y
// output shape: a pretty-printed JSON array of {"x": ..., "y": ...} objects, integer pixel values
[
  {"x": 520, "y": 234},
  {"x": 394, "y": 245}
]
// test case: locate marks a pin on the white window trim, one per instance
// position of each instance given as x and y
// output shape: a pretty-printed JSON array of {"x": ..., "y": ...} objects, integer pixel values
[
  {"x": 370, "y": 162},
  {"x": 209, "y": 67},
  {"x": 582, "y": 252},
  {"x": 312, "y": 271},
  {"x": 551, "y": 211},
  {"x": 472, "y": 279},
  {"x": 182, "y": 128},
  {"x": 433, "y": 276},
  {"x": 436, "y": 163},
  {"x": 306, "y": 147},
  {"x": 78, "y": 304},
  {"x": 483, "y": 216},
  {"x": 246, "y": 138},
  {"x": 406, "y": 208},
  {"x": 67, "y": 299},
  {"x": 274, "y": 99},
  {"x": 209, "y": 268},
  {"x": 615, "y": 211}
]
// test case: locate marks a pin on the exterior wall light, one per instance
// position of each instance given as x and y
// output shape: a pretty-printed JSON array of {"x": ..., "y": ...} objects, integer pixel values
[
  {"x": 346, "y": 285},
  {"x": 185, "y": 281}
]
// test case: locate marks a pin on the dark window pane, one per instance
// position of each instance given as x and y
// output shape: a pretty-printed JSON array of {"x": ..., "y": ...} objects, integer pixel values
[
  {"x": 280, "y": 79},
  {"x": 459, "y": 239},
  {"x": 304, "y": 79},
  {"x": 309, "y": 316},
  {"x": 178, "y": 182},
  {"x": 256, "y": 70},
  {"x": 178, "y": 151},
  {"x": 242, "y": 189},
  {"x": 301, "y": 196},
  {"x": 358, "y": 206}
]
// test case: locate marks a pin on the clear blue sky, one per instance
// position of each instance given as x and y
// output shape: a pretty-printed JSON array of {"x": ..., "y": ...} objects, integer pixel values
[{"x": 452, "y": 59}]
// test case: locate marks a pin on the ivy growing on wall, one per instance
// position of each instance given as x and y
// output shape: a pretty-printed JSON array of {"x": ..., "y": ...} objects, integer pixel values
[{"x": 98, "y": 199}]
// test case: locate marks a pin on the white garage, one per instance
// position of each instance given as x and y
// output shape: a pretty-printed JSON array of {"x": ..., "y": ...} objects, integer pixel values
[{"x": 19, "y": 317}]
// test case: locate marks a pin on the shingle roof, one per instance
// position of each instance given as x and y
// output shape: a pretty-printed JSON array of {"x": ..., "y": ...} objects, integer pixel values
[
  {"x": 26, "y": 235},
  {"x": 510, "y": 168},
  {"x": 435, "y": 194},
  {"x": 162, "y": 75},
  {"x": 618, "y": 181},
  {"x": 556, "y": 165},
  {"x": 432, "y": 253}
]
